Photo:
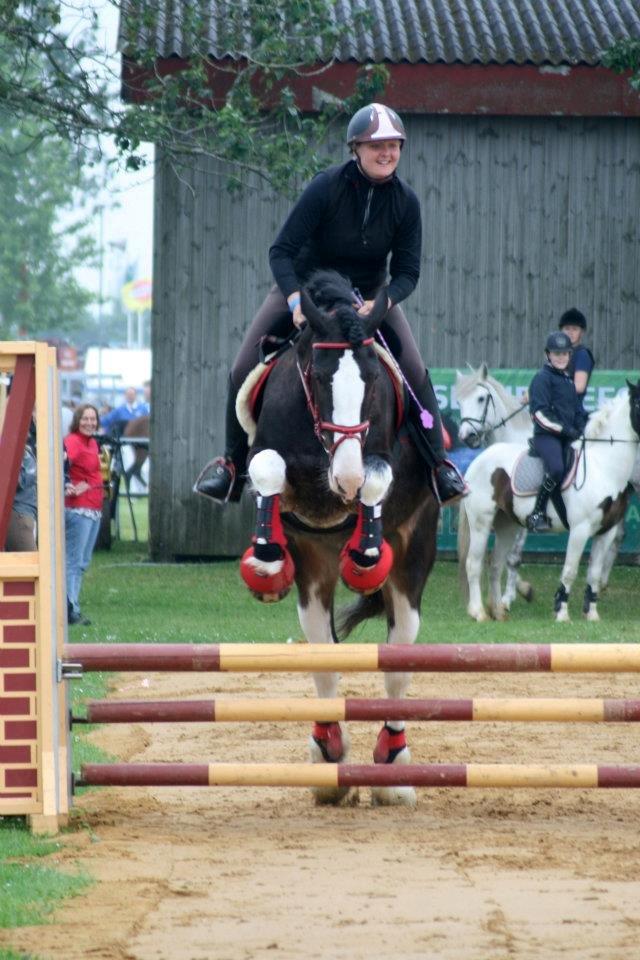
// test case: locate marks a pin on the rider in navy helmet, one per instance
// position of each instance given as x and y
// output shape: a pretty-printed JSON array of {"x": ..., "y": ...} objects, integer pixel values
[
  {"x": 360, "y": 219},
  {"x": 558, "y": 419},
  {"x": 574, "y": 323}
]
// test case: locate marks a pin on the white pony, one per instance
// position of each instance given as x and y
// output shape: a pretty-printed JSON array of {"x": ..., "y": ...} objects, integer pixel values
[
  {"x": 595, "y": 503},
  {"x": 489, "y": 414}
]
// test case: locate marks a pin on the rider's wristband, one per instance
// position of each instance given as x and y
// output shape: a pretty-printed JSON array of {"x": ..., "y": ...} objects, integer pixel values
[{"x": 293, "y": 301}]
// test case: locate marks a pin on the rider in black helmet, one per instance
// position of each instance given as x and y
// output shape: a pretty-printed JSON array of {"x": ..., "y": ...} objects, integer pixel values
[
  {"x": 558, "y": 419},
  {"x": 360, "y": 219},
  {"x": 574, "y": 323}
]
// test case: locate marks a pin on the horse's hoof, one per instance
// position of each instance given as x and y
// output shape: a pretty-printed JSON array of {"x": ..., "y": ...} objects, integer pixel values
[
  {"x": 526, "y": 592},
  {"x": 593, "y": 615},
  {"x": 339, "y": 746},
  {"x": 479, "y": 616},
  {"x": 335, "y": 796},
  {"x": 562, "y": 615},
  {"x": 393, "y": 797},
  {"x": 499, "y": 612}
]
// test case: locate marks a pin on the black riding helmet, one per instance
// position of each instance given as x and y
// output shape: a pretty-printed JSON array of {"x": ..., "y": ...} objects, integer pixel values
[
  {"x": 573, "y": 318},
  {"x": 375, "y": 122},
  {"x": 558, "y": 342}
]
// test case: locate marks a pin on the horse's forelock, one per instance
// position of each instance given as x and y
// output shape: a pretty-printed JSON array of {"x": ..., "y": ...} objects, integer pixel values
[
  {"x": 327, "y": 289},
  {"x": 351, "y": 325}
]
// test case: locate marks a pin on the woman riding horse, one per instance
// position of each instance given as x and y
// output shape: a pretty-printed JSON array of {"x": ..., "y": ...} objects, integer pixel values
[{"x": 350, "y": 218}]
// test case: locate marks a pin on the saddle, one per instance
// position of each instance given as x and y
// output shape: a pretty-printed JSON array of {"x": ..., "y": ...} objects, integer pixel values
[
  {"x": 528, "y": 473},
  {"x": 249, "y": 399}
]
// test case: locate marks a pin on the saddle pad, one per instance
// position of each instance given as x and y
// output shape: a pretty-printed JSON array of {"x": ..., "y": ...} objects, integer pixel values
[
  {"x": 528, "y": 472},
  {"x": 251, "y": 390}
]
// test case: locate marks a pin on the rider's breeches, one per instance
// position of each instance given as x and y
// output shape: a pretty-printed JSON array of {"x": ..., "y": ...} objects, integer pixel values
[
  {"x": 553, "y": 452},
  {"x": 273, "y": 317}
]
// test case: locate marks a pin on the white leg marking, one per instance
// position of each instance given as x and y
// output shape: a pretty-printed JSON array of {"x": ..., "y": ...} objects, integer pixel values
[
  {"x": 268, "y": 471},
  {"x": 406, "y": 623},
  {"x": 315, "y": 621},
  {"x": 377, "y": 480}
]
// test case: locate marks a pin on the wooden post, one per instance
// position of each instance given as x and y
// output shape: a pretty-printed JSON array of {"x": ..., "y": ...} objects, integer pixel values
[{"x": 34, "y": 774}]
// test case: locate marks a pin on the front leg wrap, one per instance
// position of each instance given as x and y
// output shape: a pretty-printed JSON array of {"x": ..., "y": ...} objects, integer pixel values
[
  {"x": 267, "y": 566},
  {"x": 366, "y": 559}
]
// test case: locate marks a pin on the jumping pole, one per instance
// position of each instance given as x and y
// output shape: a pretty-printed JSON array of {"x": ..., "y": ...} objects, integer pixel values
[
  {"x": 557, "y": 710},
  {"x": 485, "y": 775},
  {"x": 421, "y": 658}
]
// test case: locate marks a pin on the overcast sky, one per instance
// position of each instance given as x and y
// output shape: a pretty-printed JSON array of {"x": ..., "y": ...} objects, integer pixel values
[{"x": 126, "y": 226}]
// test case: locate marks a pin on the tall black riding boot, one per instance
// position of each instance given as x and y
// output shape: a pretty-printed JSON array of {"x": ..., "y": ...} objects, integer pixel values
[
  {"x": 449, "y": 484},
  {"x": 223, "y": 478},
  {"x": 538, "y": 521}
]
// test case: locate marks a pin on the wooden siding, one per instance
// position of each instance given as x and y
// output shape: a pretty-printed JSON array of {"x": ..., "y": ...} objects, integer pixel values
[{"x": 523, "y": 217}]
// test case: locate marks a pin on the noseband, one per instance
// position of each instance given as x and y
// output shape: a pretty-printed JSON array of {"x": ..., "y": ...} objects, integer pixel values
[
  {"x": 357, "y": 432},
  {"x": 478, "y": 424}
]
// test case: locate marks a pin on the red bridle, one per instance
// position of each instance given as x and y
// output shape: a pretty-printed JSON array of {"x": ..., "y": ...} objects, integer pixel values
[{"x": 320, "y": 427}]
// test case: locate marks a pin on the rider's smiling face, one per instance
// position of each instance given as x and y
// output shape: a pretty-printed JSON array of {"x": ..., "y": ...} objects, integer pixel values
[
  {"x": 379, "y": 158},
  {"x": 559, "y": 359}
]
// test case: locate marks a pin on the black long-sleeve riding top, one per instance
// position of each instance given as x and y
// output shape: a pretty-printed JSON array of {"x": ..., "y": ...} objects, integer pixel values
[
  {"x": 554, "y": 404},
  {"x": 344, "y": 222}
]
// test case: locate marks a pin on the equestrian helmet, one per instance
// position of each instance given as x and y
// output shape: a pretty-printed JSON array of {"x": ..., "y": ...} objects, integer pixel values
[
  {"x": 375, "y": 122},
  {"x": 573, "y": 318},
  {"x": 558, "y": 342}
]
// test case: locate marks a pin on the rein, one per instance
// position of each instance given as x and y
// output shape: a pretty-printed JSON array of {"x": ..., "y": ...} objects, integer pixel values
[
  {"x": 358, "y": 431},
  {"x": 482, "y": 429}
]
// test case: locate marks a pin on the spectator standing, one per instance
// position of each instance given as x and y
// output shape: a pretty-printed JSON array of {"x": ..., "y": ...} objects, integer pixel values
[
  {"x": 83, "y": 502},
  {"x": 21, "y": 534},
  {"x": 113, "y": 423},
  {"x": 145, "y": 405}
]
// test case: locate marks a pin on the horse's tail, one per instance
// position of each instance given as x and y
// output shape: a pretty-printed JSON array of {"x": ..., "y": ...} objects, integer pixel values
[
  {"x": 463, "y": 549},
  {"x": 364, "y": 608}
]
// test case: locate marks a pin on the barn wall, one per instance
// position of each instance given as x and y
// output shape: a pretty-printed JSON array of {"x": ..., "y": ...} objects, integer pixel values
[{"x": 523, "y": 217}]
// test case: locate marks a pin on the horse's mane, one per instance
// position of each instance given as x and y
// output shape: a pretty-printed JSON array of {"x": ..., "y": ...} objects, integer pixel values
[
  {"x": 329, "y": 290},
  {"x": 466, "y": 384},
  {"x": 599, "y": 421}
]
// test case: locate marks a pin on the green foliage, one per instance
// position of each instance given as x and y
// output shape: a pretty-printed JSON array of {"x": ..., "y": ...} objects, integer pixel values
[
  {"x": 39, "y": 180},
  {"x": 254, "y": 124},
  {"x": 624, "y": 56}
]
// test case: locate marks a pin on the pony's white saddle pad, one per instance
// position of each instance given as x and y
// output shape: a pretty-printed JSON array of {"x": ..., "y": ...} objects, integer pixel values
[{"x": 528, "y": 472}]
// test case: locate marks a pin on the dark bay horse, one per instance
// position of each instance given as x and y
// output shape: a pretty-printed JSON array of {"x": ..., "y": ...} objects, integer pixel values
[
  {"x": 137, "y": 429},
  {"x": 341, "y": 492}
]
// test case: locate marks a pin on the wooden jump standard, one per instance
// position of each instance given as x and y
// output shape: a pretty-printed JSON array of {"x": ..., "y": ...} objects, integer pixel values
[
  {"x": 584, "y": 775},
  {"x": 332, "y": 710},
  {"x": 436, "y": 658}
]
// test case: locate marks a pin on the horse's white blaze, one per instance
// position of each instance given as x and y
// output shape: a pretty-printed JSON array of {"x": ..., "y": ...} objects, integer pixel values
[
  {"x": 268, "y": 471},
  {"x": 315, "y": 620},
  {"x": 348, "y": 395},
  {"x": 377, "y": 480}
]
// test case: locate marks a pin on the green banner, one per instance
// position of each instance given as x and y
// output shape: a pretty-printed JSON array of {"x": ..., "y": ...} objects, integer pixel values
[{"x": 603, "y": 385}]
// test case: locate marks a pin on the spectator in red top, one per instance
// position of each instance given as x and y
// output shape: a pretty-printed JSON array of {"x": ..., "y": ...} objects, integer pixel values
[{"x": 83, "y": 502}]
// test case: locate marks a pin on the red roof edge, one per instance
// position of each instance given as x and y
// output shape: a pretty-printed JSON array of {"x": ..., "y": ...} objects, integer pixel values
[{"x": 439, "y": 88}]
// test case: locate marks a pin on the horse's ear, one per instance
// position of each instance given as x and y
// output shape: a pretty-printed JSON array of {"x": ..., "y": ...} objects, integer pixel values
[
  {"x": 459, "y": 376},
  {"x": 634, "y": 388},
  {"x": 483, "y": 371},
  {"x": 379, "y": 311},
  {"x": 315, "y": 317}
]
